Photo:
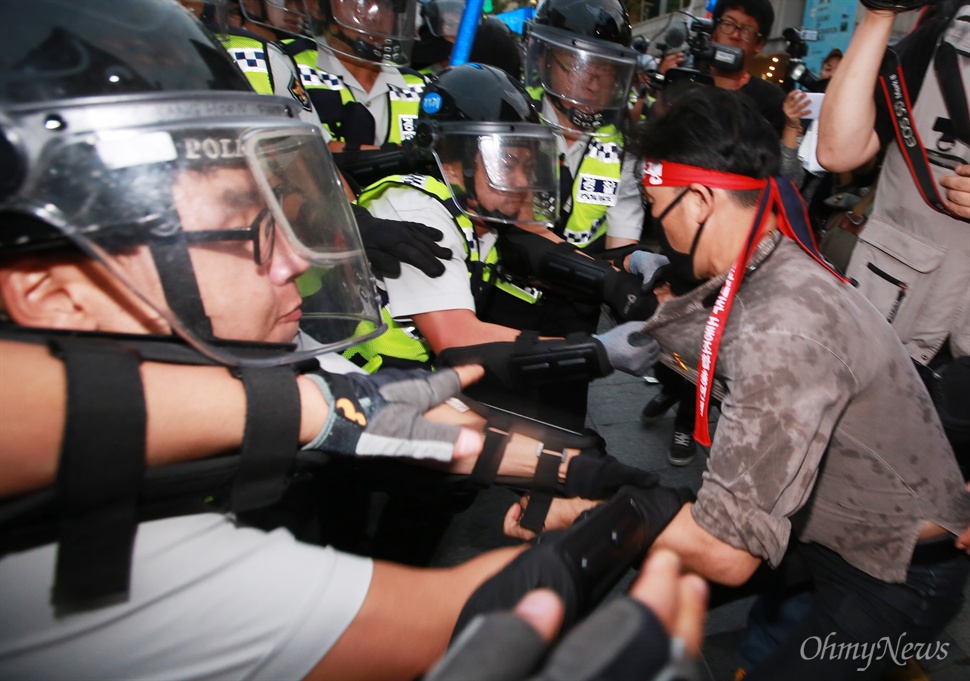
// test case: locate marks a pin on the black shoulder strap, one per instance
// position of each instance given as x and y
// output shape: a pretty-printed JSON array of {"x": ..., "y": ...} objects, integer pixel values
[
  {"x": 271, "y": 438},
  {"x": 294, "y": 46},
  {"x": 99, "y": 475},
  {"x": 951, "y": 81},
  {"x": 893, "y": 87}
]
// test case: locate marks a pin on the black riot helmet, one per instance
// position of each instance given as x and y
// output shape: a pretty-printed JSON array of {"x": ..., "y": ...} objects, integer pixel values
[
  {"x": 578, "y": 52},
  {"x": 597, "y": 19},
  {"x": 129, "y": 136},
  {"x": 490, "y": 145}
]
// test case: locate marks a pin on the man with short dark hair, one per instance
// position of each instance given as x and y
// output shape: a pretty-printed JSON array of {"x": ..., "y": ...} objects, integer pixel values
[{"x": 745, "y": 24}]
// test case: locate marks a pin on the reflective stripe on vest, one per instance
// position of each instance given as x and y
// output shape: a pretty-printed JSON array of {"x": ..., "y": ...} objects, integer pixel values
[
  {"x": 250, "y": 56},
  {"x": 403, "y": 340},
  {"x": 596, "y": 184},
  {"x": 402, "y": 102},
  {"x": 596, "y": 188}
]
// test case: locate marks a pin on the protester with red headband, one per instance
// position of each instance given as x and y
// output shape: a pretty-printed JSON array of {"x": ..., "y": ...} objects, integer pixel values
[{"x": 813, "y": 468}]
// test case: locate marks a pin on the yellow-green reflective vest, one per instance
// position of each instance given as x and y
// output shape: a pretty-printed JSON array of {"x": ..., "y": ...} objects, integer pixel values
[
  {"x": 252, "y": 60},
  {"x": 596, "y": 188},
  {"x": 596, "y": 185},
  {"x": 402, "y": 340},
  {"x": 402, "y": 102}
]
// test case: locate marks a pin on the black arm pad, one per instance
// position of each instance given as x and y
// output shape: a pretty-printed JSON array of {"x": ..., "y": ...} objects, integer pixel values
[
  {"x": 367, "y": 166},
  {"x": 580, "y": 564},
  {"x": 555, "y": 265},
  {"x": 529, "y": 361}
]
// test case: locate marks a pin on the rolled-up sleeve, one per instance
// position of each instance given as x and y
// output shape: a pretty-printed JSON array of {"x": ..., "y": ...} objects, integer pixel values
[{"x": 786, "y": 397}]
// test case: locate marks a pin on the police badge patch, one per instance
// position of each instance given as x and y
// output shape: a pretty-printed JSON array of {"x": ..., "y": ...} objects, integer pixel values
[
  {"x": 601, "y": 191},
  {"x": 299, "y": 93}
]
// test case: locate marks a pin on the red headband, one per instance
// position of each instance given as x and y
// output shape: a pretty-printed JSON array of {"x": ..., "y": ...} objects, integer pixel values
[
  {"x": 670, "y": 174},
  {"x": 777, "y": 193}
]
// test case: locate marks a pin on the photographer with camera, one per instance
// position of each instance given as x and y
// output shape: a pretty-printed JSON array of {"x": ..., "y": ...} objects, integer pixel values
[
  {"x": 911, "y": 260},
  {"x": 741, "y": 25},
  {"x": 747, "y": 24}
]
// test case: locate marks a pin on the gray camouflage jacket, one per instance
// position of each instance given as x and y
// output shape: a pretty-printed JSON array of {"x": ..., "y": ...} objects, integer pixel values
[{"x": 825, "y": 430}]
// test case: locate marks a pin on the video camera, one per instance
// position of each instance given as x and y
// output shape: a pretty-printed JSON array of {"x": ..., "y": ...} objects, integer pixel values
[
  {"x": 797, "y": 47},
  {"x": 702, "y": 54}
]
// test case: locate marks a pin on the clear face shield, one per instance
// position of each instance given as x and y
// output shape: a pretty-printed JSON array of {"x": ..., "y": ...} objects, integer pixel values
[
  {"x": 287, "y": 16},
  {"x": 501, "y": 172},
  {"x": 588, "y": 80},
  {"x": 219, "y": 219},
  {"x": 443, "y": 17},
  {"x": 380, "y": 31}
]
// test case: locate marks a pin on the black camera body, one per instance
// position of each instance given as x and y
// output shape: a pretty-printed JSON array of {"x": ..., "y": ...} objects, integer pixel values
[
  {"x": 703, "y": 54},
  {"x": 797, "y": 48}
]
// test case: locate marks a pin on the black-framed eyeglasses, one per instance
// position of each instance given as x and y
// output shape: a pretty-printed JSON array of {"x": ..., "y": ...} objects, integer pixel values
[
  {"x": 559, "y": 63},
  {"x": 747, "y": 33},
  {"x": 262, "y": 232}
]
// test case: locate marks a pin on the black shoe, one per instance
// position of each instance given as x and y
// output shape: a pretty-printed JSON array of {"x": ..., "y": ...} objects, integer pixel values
[
  {"x": 657, "y": 407},
  {"x": 683, "y": 449}
]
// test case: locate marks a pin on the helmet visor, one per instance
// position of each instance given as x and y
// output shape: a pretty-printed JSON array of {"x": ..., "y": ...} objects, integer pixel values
[
  {"x": 372, "y": 30},
  {"x": 232, "y": 233},
  {"x": 585, "y": 74},
  {"x": 502, "y": 172},
  {"x": 443, "y": 17},
  {"x": 288, "y": 16}
]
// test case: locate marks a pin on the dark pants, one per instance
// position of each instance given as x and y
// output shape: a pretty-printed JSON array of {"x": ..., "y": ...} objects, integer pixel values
[
  {"x": 674, "y": 384},
  {"x": 859, "y": 626}
]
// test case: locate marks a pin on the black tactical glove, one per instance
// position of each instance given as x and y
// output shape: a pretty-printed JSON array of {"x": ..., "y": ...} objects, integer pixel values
[
  {"x": 381, "y": 415},
  {"x": 627, "y": 298},
  {"x": 388, "y": 243}
]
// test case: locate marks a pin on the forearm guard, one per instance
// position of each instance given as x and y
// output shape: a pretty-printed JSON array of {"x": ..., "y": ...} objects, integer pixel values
[
  {"x": 530, "y": 362},
  {"x": 367, "y": 166},
  {"x": 581, "y": 564},
  {"x": 562, "y": 267}
]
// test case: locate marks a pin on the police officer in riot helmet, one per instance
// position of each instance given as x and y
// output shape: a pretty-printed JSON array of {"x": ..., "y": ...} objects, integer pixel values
[
  {"x": 355, "y": 69},
  {"x": 285, "y": 18},
  {"x": 488, "y": 143},
  {"x": 153, "y": 207},
  {"x": 580, "y": 66},
  {"x": 494, "y": 197},
  {"x": 579, "y": 53},
  {"x": 497, "y": 169}
]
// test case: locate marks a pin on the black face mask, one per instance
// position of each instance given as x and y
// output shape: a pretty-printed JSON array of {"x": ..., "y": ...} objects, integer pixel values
[{"x": 680, "y": 272}]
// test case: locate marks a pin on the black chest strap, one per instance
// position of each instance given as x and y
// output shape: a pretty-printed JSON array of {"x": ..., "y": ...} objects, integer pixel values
[{"x": 100, "y": 471}]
